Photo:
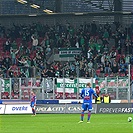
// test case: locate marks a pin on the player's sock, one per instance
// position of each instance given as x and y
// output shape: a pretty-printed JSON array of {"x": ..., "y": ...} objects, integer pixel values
[
  {"x": 89, "y": 115},
  {"x": 33, "y": 111},
  {"x": 82, "y": 115}
]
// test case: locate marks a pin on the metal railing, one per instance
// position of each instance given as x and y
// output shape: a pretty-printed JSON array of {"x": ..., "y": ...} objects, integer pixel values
[{"x": 63, "y": 88}]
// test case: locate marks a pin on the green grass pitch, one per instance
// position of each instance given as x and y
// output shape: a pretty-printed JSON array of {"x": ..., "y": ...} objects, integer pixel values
[{"x": 65, "y": 123}]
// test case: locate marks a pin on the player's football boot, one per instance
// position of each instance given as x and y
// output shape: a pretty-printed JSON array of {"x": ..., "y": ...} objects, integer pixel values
[
  {"x": 80, "y": 122},
  {"x": 88, "y": 121}
]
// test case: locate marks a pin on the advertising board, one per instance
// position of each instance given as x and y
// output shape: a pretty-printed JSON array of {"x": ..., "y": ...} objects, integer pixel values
[
  {"x": 115, "y": 108},
  {"x": 18, "y": 109},
  {"x": 2, "y": 109},
  {"x": 61, "y": 108}
]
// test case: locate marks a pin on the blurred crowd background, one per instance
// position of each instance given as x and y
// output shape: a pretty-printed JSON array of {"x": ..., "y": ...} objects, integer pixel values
[{"x": 107, "y": 49}]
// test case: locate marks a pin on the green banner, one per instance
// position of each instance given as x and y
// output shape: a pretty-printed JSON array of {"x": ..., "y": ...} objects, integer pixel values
[
  {"x": 69, "y": 52},
  {"x": 71, "y": 86},
  {"x": 7, "y": 85}
]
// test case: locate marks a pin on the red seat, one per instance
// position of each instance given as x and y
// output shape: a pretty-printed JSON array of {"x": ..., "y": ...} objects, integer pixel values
[
  {"x": 12, "y": 94},
  {"x": 73, "y": 96},
  {"x": 106, "y": 75},
  {"x": 6, "y": 93}
]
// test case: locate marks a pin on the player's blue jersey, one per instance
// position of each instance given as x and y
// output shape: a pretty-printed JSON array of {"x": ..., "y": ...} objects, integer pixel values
[
  {"x": 33, "y": 101},
  {"x": 33, "y": 98},
  {"x": 86, "y": 94}
]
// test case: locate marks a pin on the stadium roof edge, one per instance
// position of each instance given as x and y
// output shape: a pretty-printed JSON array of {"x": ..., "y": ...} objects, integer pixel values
[{"x": 72, "y": 13}]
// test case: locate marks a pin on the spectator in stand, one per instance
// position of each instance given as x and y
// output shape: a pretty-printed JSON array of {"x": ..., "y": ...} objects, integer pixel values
[
  {"x": 89, "y": 55},
  {"x": 51, "y": 73},
  {"x": 123, "y": 67},
  {"x": 3, "y": 71},
  {"x": 107, "y": 66},
  {"x": 72, "y": 69},
  {"x": 48, "y": 51},
  {"x": 14, "y": 45},
  {"x": 131, "y": 60},
  {"x": 87, "y": 75},
  {"x": 112, "y": 56},
  {"x": 121, "y": 59},
  {"x": 66, "y": 72},
  {"x": 103, "y": 58},
  {"x": 96, "y": 60},
  {"x": 127, "y": 59},
  {"x": 77, "y": 43},
  {"x": 57, "y": 73},
  {"x": 98, "y": 45},
  {"x": 42, "y": 44},
  {"x": 87, "y": 36},
  {"x": 114, "y": 68},
  {"x": 7, "y": 62},
  {"x": 128, "y": 47},
  {"x": 122, "y": 38},
  {"x": 93, "y": 28},
  {"x": 34, "y": 42},
  {"x": 44, "y": 73},
  {"x": 90, "y": 64},
  {"x": 7, "y": 45},
  {"x": 13, "y": 70},
  {"x": 101, "y": 67},
  {"x": 13, "y": 55}
]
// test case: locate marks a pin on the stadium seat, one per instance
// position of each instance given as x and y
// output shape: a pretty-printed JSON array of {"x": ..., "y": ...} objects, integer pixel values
[
  {"x": 111, "y": 75},
  {"x": 122, "y": 74},
  {"x": 37, "y": 83},
  {"x": 5, "y": 95},
  {"x": 12, "y": 94},
  {"x": 25, "y": 91},
  {"x": 26, "y": 97},
  {"x": 106, "y": 75},
  {"x": 16, "y": 96},
  {"x": 67, "y": 95},
  {"x": 73, "y": 95}
]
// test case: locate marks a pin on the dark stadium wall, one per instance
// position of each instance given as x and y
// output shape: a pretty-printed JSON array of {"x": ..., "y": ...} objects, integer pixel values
[
  {"x": 116, "y": 3},
  {"x": 58, "y": 4},
  {"x": 75, "y": 20},
  {"x": 118, "y": 7}
]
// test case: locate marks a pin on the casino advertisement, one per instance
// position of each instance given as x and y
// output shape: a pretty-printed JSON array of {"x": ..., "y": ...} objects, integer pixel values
[{"x": 62, "y": 108}]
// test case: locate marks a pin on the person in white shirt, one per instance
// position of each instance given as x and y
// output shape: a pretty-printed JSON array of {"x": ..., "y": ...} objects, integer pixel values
[{"x": 34, "y": 42}]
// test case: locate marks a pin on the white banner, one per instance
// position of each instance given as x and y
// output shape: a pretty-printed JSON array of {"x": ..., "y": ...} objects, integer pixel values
[
  {"x": 18, "y": 109},
  {"x": 2, "y": 109}
]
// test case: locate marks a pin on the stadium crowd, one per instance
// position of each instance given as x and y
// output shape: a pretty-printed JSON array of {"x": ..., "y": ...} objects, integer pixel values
[{"x": 107, "y": 49}]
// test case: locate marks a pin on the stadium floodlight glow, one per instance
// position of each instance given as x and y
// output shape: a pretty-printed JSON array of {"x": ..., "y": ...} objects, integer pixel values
[
  {"x": 22, "y": 1},
  {"x": 35, "y": 6},
  {"x": 48, "y": 11}
]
